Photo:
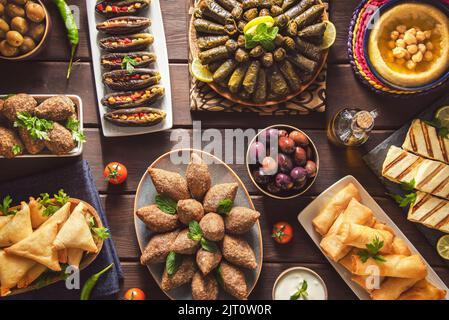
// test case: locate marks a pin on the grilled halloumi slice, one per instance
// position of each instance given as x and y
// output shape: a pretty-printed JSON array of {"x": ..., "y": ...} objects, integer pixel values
[
  {"x": 430, "y": 176},
  {"x": 424, "y": 140},
  {"x": 430, "y": 211}
]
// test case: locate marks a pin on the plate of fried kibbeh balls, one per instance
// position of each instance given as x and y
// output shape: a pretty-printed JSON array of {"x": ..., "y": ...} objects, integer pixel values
[{"x": 197, "y": 228}]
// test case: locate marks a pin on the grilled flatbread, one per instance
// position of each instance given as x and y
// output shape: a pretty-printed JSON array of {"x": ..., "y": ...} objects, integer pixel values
[
  {"x": 76, "y": 232},
  {"x": 18, "y": 228},
  {"x": 430, "y": 211}
]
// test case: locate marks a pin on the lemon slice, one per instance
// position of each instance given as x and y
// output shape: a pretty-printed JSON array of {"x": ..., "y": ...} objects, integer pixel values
[
  {"x": 442, "y": 114},
  {"x": 443, "y": 247},
  {"x": 329, "y": 35},
  {"x": 268, "y": 20},
  {"x": 200, "y": 71}
]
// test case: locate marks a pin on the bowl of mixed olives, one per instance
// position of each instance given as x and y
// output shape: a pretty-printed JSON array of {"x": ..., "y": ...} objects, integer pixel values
[
  {"x": 282, "y": 161},
  {"x": 24, "y": 26}
]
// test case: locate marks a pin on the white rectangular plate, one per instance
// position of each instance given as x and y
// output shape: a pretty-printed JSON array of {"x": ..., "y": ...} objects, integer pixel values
[
  {"x": 79, "y": 110},
  {"x": 306, "y": 216},
  {"x": 159, "y": 47}
]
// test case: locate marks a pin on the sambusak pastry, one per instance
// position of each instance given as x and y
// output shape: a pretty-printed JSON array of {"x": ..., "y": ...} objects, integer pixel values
[
  {"x": 18, "y": 228},
  {"x": 12, "y": 270}
]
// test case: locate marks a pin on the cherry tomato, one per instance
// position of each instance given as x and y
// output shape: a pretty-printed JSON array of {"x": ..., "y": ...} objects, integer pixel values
[
  {"x": 282, "y": 232},
  {"x": 134, "y": 294},
  {"x": 115, "y": 173}
]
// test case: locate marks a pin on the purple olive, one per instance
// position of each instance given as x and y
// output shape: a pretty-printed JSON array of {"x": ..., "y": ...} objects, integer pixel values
[
  {"x": 311, "y": 169},
  {"x": 285, "y": 163},
  {"x": 273, "y": 188},
  {"x": 282, "y": 133},
  {"x": 269, "y": 166},
  {"x": 299, "y": 185},
  {"x": 257, "y": 152},
  {"x": 286, "y": 145},
  {"x": 299, "y": 138},
  {"x": 300, "y": 156},
  {"x": 283, "y": 181},
  {"x": 298, "y": 174},
  {"x": 260, "y": 177}
]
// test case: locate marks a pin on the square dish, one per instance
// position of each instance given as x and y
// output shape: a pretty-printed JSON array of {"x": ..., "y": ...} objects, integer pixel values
[
  {"x": 79, "y": 110},
  {"x": 308, "y": 214}
]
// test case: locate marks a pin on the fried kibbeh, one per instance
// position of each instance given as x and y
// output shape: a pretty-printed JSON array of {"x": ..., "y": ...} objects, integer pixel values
[
  {"x": 204, "y": 287},
  {"x": 240, "y": 220},
  {"x": 183, "y": 244},
  {"x": 8, "y": 140},
  {"x": 189, "y": 210},
  {"x": 169, "y": 183},
  {"x": 157, "y": 220},
  {"x": 234, "y": 281},
  {"x": 32, "y": 145},
  {"x": 21, "y": 102},
  {"x": 239, "y": 252},
  {"x": 183, "y": 275},
  {"x": 218, "y": 193},
  {"x": 208, "y": 261},
  {"x": 158, "y": 247},
  {"x": 57, "y": 108},
  {"x": 212, "y": 226},
  {"x": 198, "y": 177},
  {"x": 60, "y": 140}
]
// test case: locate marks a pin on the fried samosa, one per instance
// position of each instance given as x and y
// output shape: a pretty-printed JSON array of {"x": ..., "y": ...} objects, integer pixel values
[
  {"x": 18, "y": 228},
  {"x": 12, "y": 270},
  {"x": 37, "y": 213},
  {"x": 31, "y": 275}
]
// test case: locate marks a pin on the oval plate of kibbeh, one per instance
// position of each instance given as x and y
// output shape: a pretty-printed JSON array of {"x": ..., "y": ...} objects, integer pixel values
[{"x": 197, "y": 228}]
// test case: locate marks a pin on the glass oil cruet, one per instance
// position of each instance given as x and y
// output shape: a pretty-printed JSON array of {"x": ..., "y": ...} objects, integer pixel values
[{"x": 351, "y": 127}]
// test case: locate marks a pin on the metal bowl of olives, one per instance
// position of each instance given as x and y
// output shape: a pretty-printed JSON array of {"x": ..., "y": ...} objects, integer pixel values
[
  {"x": 24, "y": 28},
  {"x": 282, "y": 162}
]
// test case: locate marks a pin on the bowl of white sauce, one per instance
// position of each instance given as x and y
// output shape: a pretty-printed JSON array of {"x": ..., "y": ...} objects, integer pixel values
[{"x": 299, "y": 283}]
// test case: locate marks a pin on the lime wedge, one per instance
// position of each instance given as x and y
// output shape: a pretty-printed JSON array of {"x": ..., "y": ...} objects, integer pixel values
[
  {"x": 200, "y": 71},
  {"x": 443, "y": 247},
  {"x": 268, "y": 20},
  {"x": 329, "y": 35},
  {"x": 442, "y": 114}
]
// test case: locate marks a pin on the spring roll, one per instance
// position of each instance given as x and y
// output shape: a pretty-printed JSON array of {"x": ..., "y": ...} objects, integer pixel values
[
  {"x": 354, "y": 213},
  {"x": 400, "y": 247},
  {"x": 392, "y": 288},
  {"x": 394, "y": 266},
  {"x": 359, "y": 236},
  {"x": 423, "y": 290},
  {"x": 324, "y": 220},
  {"x": 369, "y": 283}
]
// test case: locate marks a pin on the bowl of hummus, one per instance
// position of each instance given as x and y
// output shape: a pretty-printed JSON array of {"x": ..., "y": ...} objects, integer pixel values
[{"x": 407, "y": 45}]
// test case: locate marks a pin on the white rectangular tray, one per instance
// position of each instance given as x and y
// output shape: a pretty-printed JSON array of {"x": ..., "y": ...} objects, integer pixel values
[
  {"x": 159, "y": 47},
  {"x": 79, "y": 110},
  {"x": 309, "y": 213}
]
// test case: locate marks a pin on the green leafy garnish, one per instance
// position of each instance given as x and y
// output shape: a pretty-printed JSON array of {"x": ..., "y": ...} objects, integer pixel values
[
  {"x": 61, "y": 198},
  {"x": 172, "y": 262},
  {"x": 128, "y": 63},
  {"x": 209, "y": 246},
  {"x": 301, "y": 293},
  {"x": 408, "y": 186},
  {"x": 195, "y": 232},
  {"x": 166, "y": 204},
  {"x": 409, "y": 198},
  {"x": 224, "y": 207},
  {"x": 102, "y": 233},
  {"x": 5, "y": 205},
  {"x": 372, "y": 251},
  {"x": 16, "y": 149},
  {"x": 51, "y": 206},
  {"x": 263, "y": 35},
  {"x": 436, "y": 123},
  {"x": 49, "y": 275},
  {"x": 73, "y": 125},
  {"x": 38, "y": 128}
]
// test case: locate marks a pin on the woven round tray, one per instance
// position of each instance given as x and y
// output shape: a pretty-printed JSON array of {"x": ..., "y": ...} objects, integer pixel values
[{"x": 359, "y": 21}]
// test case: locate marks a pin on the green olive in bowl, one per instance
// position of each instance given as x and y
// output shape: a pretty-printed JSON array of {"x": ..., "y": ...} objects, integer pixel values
[
  {"x": 14, "y": 38},
  {"x": 35, "y": 12},
  {"x": 4, "y": 26},
  {"x": 27, "y": 45},
  {"x": 37, "y": 31},
  {"x": 13, "y": 10},
  {"x": 20, "y": 2},
  {"x": 19, "y": 24},
  {"x": 2, "y": 9},
  {"x": 7, "y": 50}
]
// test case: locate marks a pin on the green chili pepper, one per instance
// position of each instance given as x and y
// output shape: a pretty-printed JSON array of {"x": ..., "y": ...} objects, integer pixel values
[
  {"x": 91, "y": 282},
  {"x": 72, "y": 29}
]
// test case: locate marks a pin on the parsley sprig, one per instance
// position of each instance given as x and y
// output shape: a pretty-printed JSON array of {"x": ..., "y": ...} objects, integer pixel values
[
  {"x": 196, "y": 234},
  {"x": 441, "y": 130},
  {"x": 5, "y": 205},
  {"x": 408, "y": 198},
  {"x": 16, "y": 149},
  {"x": 224, "y": 207},
  {"x": 128, "y": 63},
  {"x": 263, "y": 35},
  {"x": 38, "y": 128},
  {"x": 101, "y": 232},
  {"x": 301, "y": 293},
  {"x": 372, "y": 251},
  {"x": 166, "y": 204},
  {"x": 51, "y": 206},
  {"x": 73, "y": 125}
]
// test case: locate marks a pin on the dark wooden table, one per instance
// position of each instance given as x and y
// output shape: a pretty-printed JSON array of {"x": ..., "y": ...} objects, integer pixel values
[{"x": 46, "y": 74}]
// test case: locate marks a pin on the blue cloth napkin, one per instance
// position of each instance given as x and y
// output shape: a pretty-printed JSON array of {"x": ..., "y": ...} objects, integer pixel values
[{"x": 76, "y": 179}]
